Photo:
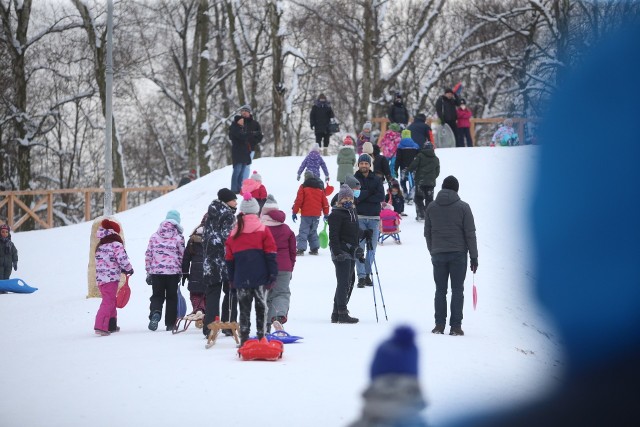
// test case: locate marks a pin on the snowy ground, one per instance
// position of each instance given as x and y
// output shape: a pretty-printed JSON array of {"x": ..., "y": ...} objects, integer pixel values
[{"x": 56, "y": 372}]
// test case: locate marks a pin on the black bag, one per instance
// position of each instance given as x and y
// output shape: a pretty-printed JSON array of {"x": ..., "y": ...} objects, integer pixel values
[{"x": 334, "y": 126}]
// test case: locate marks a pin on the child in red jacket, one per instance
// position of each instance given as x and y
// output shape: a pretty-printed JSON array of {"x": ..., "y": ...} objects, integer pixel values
[
  {"x": 464, "y": 116},
  {"x": 311, "y": 201},
  {"x": 254, "y": 186}
]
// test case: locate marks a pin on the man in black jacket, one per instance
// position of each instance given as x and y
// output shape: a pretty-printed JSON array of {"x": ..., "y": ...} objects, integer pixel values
[
  {"x": 398, "y": 113},
  {"x": 450, "y": 233},
  {"x": 320, "y": 118},
  {"x": 245, "y": 134},
  {"x": 446, "y": 106},
  {"x": 368, "y": 201}
]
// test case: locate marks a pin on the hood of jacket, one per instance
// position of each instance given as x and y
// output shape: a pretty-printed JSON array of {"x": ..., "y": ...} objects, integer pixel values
[
  {"x": 322, "y": 104},
  {"x": 169, "y": 229},
  {"x": 249, "y": 185},
  {"x": 447, "y": 197},
  {"x": 103, "y": 232},
  {"x": 273, "y": 218},
  {"x": 408, "y": 143},
  {"x": 428, "y": 152},
  {"x": 251, "y": 224}
]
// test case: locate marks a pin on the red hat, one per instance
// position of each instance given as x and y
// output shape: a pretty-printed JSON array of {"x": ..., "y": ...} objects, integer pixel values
[
  {"x": 348, "y": 140},
  {"x": 107, "y": 224}
]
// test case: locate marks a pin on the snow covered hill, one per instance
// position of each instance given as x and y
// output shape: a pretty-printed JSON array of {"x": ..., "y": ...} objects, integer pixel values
[{"x": 56, "y": 372}]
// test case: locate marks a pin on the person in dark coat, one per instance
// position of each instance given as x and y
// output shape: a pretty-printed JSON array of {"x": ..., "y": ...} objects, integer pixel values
[
  {"x": 245, "y": 134},
  {"x": 344, "y": 235},
  {"x": 446, "y": 109},
  {"x": 420, "y": 130},
  {"x": 398, "y": 113},
  {"x": 217, "y": 227},
  {"x": 368, "y": 206},
  {"x": 407, "y": 151},
  {"x": 381, "y": 165},
  {"x": 450, "y": 232},
  {"x": 593, "y": 301},
  {"x": 192, "y": 271},
  {"x": 426, "y": 168},
  {"x": 8, "y": 253},
  {"x": 187, "y": 178},
  {"x": 320, "y": 117}
]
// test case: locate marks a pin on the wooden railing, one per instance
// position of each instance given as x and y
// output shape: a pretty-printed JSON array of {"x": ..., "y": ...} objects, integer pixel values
[
  {"x": 44, "y": 200},
  {"x": 518, "y": 123}
]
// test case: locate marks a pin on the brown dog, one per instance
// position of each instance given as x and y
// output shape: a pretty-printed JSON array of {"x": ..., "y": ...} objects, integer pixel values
[{"x": 216, "y": 326}]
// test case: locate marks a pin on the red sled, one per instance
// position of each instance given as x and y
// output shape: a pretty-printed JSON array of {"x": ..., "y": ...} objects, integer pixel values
[{"x": 261, "y": 349}]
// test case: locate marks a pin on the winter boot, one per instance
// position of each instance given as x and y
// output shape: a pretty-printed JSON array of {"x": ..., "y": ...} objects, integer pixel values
[
  {"x": 277, "y": 324},
  {"x": 153, "y": 322},
  {"x": 227, "y": 332},
  {"x": 199, "y": 318},
  {"x": 334, "y": 317},
  {"x": 102, "y": 333},
  {"x": 325, "y": 151},
  {"x": 344, "y": 317},
  {"x": 362, "y": 282},
  {"x": 113, "y": 325},
  {"x": 368, "y": 281},
  {"x": 456, "y": 331},
  {"x": 439, "y": 329},
  {"x": 300, "y": 252},
  {"x": 313, "y": 251}
]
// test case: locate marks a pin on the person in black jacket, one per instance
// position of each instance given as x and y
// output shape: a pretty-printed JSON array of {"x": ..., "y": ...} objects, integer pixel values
[
  {"x": 450, "y": 233},
  {"x": 192, "y": 271},
  {"x": 344, "y": 234},
  {"x": 426, "y": 167},
  {"x": 245, "y": 134},
  {"x": 381, "y": 165},
  {"x": 446, "y": 109},
  {"x": 320, "y": 117},
  {"x": 398, "y": 113},
  {"x": 420, "y": 130},
  {"x": 368, "y": 205}
]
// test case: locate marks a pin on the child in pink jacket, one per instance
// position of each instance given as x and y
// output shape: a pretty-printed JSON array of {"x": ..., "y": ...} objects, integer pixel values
[
  {"x": 111, "y": 261},
  {"x": 163, "y": 262}
]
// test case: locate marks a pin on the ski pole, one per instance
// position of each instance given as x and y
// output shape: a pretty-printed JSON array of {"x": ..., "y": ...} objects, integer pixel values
[{"x": 384, "y": 307}]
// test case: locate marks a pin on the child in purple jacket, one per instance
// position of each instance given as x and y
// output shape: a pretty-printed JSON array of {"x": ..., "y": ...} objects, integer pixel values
[
  {"x": 278, "y": 297},
  {"x": 111, "y": 261},
  {"x": 313, "y": 162},
  {"x": 163, "y": 262}
]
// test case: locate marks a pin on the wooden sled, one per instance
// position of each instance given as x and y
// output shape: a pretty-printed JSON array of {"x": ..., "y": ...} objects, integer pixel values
[{"x": 216, "y": 326}]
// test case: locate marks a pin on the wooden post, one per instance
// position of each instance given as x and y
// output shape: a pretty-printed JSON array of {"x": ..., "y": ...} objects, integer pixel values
[
  {"x": 10, "y": 212},
  {"x": 50, "y": 209},
  {"x": 87, "y": 206},
  {"x": 472, "y": 131},
  {"x": 123, "y": 201}
]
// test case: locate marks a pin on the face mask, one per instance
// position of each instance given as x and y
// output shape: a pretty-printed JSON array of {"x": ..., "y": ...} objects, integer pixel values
[
  {"x": 233, "y": 209},
  {"x": 356, "y": 194},
  {"x": 347, "y": 205},
  {"x": 395, "y": 193}
]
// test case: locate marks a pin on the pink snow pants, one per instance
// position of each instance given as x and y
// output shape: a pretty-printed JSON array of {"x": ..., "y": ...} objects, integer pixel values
[{"x": 107, "y": 308}]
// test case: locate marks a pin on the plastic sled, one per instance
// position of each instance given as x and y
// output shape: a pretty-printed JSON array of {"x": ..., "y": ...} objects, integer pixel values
[
  {"x": 323, "y": 237},
  {"x": 261, "y": 350},
  {"x": 17, "y": 286},
  {"x": 283, "y": 336}
]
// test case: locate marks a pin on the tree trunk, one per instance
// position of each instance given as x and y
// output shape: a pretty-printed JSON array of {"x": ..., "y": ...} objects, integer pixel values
[
  {"x": 277, "y": 94},
  {"x": 202, "y": 32}
]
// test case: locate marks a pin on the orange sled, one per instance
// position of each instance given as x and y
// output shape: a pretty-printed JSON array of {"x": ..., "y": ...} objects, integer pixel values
[{"x": 261, "y": 350}]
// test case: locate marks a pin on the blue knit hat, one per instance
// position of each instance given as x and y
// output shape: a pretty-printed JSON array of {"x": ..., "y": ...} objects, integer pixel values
[
  {"x": 365, "y": 158},
  {"x": 397, "y": 355},
  {"x": 173, "y": 216}
]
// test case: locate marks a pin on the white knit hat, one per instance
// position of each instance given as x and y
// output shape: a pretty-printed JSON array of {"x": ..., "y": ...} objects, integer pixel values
[
  {"x": 256, "y": 176},
  {"x": 270, "y": 205},
  {"x": 249, "y": 205}
]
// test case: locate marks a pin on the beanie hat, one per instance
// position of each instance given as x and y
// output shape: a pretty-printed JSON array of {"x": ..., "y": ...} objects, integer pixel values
[
  {"x": 315, "y": 147},
  {"x": 406, "y": 133},
  {"x": 448, "y": 90},
  {"x": 225, "y": 195},
  {"x": 6, "y": 227},
  {"x": 397, "y": 355},
  {"x": 322, "y": 96},
  {"x": 270, "y": 204},
  {"x": 308, "y": 174},
  {"x": 365, "y": 158},
  {"x": 246, "y": 108},
  {"x": 394, "y": 127},
  {"x": 249, "y": 205},
  {"x": 463, "y": 101},
  {"x": 367, "y": 126},
  {"x": 450, "y": 183},
  {"x": 348, "y": 140},
  {"x": 367, "y": 148},
  {"x": 256, "y": 176},
  {"x": 173, "y": 216},
  {"x": 345, "y": 192},
  {"x": 351, "y": 182},
  {"x": 420, "y": 117},
  {"x": 106, "y": 223}
]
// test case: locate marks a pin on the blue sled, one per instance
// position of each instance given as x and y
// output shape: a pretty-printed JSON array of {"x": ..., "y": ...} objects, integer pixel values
[
  {"x": 282, "y": 336},
  {"x": 16, "y": 285}
]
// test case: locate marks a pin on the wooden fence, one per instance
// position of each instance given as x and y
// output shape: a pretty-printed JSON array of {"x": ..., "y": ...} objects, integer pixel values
[
  {"x": 518, "y": 123},
  {"x": 43, "y": 200}
]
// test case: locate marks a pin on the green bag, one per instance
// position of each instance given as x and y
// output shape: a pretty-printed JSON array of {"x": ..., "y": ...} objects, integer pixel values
[{"x": 323, "y": 237}]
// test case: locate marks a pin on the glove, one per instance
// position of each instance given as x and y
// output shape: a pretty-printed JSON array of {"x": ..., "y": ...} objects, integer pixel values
[
  {"x": 15, "y": 266},
  {"x": 360, "y": 254},
  {"x": 341, "y": 257},
  {"x": 474, "y": 265},
  {"x": 367, "y": 234},
  {"x": 294, "y": 217},
  {"x": 298, "y": 177},
  {"x": 326, "y": 179},
  {"x": 128, "y": 273},
  {"x": 149, "y": 279},
  {"x": 326, "y": 218},
  {"x": 185, "y": 277}
]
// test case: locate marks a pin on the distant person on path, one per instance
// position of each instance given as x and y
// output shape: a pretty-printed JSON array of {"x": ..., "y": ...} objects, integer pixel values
[
  {"x": 163, "y": 263},
  {"x": 217, "y": 228},
  {"x": 398, "y": 113},
  {"x": 320, "y": 117},
  {"x": 464, "y": 124},
  {"x": 8, "y": 252},
  {"x": 446, "y": 109},
  {"x": 346, "y": 159},
  {"x": 313, "y": 162},
  {"x": 245, "y": 134},
  {"x": 426, "y": 169},
  {"x": 420, "y": 130},
  {"x": 505, "y": 135},
  {"x": 407, "y": 151},
  {"x": 450, "y": 233},
  {"x": 381, "y": 165},
  {"x": 187, "y": 178},
  {"x": 111, "y": 261},
  {"x": 364, "y": 136}
]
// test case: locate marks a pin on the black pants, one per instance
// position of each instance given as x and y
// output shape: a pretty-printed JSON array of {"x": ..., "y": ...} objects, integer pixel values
[
  {"x": 165, "y": 287},
  {"x": 230, "y": 299},
  {"x": 345, "y": 278},
  {"x": 246, "y": 296},
  {"x": 322, "y": 139},
  {"x": 449, "y": 265},
  {"x": 212, "y": 308},
  {"x": 464, "y": 133},
  {"x": 5, "y": 273},
  {"x": 424, "y": 196}
]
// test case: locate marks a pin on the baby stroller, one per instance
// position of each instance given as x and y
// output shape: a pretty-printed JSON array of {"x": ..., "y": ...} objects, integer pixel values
[{"x": 389, "y": 224}]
